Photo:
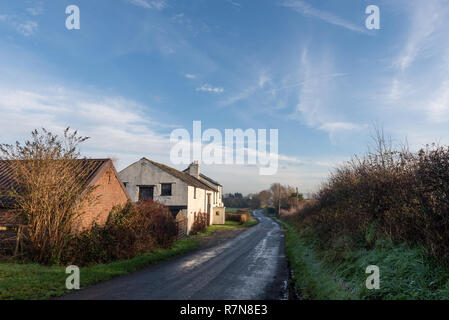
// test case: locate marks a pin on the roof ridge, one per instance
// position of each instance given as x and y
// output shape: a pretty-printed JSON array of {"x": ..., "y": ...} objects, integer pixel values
[
  {"x": 90, "y": 167},
  {"x": 205, "y": 177},
  {"x": 185, "y": 175}
]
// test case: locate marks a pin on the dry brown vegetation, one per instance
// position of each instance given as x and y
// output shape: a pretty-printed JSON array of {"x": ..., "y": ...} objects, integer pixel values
[
  {"x": 131, "y": 230},
  {"x": 242, "y": 216},
  {"x": 387, "y": 194},
  {"x": 199, "y": 224},
  {"x": 48, "y": 189}
]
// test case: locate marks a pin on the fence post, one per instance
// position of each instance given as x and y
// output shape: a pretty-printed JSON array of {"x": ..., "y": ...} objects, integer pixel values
[{"x": 18, "y": 239}]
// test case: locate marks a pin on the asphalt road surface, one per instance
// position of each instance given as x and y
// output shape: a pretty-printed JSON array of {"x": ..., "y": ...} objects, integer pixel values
[{"x": 251, "y": 266}]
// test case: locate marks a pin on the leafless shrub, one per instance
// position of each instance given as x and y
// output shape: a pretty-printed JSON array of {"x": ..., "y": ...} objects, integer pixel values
[
  {"x": 240, "y": 217},
  {"x": 199, "y": 224},
  {"x": 48, "y": 189},
  {"x": 131, "y": 229},
  {"x": 391, "y": 194}
]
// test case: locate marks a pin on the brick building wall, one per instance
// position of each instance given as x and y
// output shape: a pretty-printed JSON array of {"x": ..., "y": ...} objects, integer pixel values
[
  {"x": 7, "y": 218},
  {"x": 8, "y": 222},
  {"x": 108, "y": 193}
]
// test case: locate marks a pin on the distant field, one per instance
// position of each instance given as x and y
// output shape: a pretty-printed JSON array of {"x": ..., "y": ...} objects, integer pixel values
[{"x": 234, "y": 210}]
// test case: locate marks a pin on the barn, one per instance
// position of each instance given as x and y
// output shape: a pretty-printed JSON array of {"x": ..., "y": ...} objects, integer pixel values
[{"x": 101, "y": 174}]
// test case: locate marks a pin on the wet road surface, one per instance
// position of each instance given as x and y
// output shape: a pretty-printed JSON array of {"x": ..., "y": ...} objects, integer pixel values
[{"x": 251, "y": 266}]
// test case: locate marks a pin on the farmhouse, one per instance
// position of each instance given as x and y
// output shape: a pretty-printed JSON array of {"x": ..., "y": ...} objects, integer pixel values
[
  {"x": 99, "y": 173},
  {"x": 188, "y": 191}
]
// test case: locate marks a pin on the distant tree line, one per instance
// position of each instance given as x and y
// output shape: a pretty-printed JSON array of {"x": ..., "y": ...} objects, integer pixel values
[{"x": 278, "y": 196}]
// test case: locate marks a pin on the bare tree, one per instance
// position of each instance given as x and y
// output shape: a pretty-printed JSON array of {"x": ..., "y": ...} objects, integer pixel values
[
  {"x": 264, "y": 196},
  {"x": 48, "y": 189},
  {"x": 280, "y": 195}
]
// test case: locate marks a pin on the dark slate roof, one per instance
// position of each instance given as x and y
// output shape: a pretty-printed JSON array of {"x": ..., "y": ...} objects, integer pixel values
[
  {"x": 6, "y": 175},
  {"x": 187, "y": 178},
  {"x": 90, "y": 168},
  {"x": 210, "y": 180},
  {"x": 206, "y": 178}
]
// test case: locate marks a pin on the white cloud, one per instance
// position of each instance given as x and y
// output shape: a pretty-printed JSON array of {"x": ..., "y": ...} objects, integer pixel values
[
  {"x": 190, "y": 76},
  {"x": 121, "y": 129},
  {"x": 428, "y": 22},
  {"x": 234, "y": 3},
  {"x": 154, "y": 4},
  {"x": 118, "y": 127},
  {"x": 26, "y": 28},
  {"x": 439, "y": 106},
  {"x": 307, "y": 10},
  {"x": 37, "y": 10},
  {"x": 262, "y": 80},
  {"x": 411, "y": 92},
  {"x": 396, "y": 90},
  {"x": 209, "y": 88},
  {"x": 315, "y": 102},
  {"x": 238, "y": 97},
  {"x": 310, "y": 108},
  {"x": 338, "y": 126}
]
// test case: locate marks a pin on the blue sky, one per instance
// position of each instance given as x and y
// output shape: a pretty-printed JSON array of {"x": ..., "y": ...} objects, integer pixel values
[{"x": 137, "y": 69}]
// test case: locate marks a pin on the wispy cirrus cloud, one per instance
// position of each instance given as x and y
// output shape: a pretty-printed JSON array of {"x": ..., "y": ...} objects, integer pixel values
[
  {"x": 209, "y": 88},
  {"x": 425, "y": 43},
  {"x": 262, "y": 80},
  {"x": 426, "y": 27},
  {"x": 234, "y": 3},
  {"x": 306, "y": 9},
  {"x": 190, "y": 76},
  {"x": 147, "y": 4},
  {"x": 315, "y": 100}
]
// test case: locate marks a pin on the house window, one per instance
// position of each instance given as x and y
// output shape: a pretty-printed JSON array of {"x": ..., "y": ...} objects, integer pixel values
[
  {"x": 146, "y": 193},
  {"x": 166, "y": 189},
  {"x": 194, "y": 192}
]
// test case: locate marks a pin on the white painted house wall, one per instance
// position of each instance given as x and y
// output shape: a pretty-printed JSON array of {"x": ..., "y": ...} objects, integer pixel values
[
  {"x": 144, "y": 173},
  {"x": 217, "y": 207},
  {"x": 196, "y": 204}
]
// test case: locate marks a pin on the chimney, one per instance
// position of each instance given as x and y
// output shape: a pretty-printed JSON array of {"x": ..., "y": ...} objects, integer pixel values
[{"x": 194, "y": 169}]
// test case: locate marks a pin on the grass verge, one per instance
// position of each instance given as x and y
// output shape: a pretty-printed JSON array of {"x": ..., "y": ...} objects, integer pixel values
[
  {"x": 34, "y": 281},
  {"x": 405, "y": 272}
]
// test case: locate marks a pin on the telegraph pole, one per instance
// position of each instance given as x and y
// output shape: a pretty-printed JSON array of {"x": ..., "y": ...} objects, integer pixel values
[{"x": 279, "y": 200}]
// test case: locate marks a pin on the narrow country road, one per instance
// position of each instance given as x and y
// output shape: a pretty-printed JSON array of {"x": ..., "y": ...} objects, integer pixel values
[{"x": 250, "y": 266}]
